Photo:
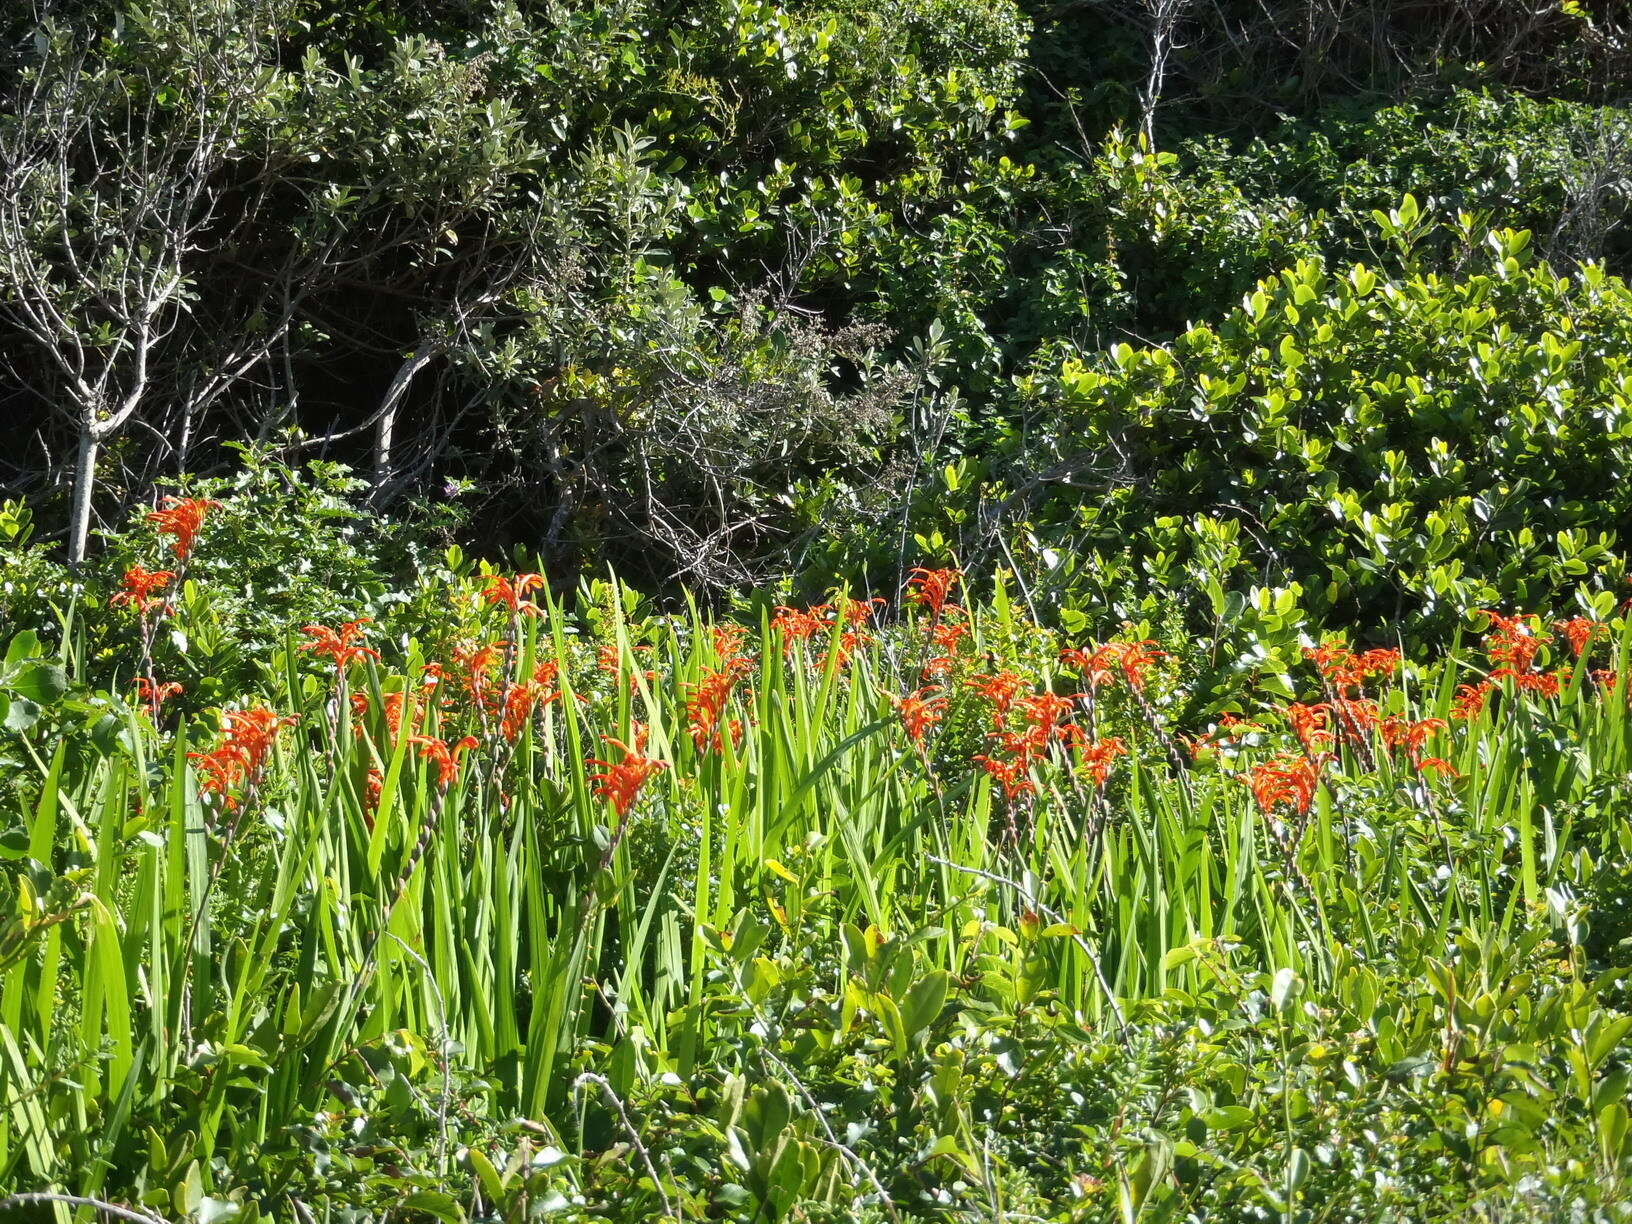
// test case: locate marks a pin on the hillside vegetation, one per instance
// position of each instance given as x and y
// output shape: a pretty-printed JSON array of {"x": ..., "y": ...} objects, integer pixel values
[{"x": 815, "y": 611}]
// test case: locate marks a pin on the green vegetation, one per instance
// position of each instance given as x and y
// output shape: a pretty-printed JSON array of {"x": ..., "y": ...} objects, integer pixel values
[
  {"x": 609, "y": 913},
  {"x": 807, "y": 610}
]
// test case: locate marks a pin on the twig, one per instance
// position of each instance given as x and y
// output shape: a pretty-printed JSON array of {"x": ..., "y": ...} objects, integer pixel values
[
  {"x": 36, "y": 1198},
  {"x": 590, "y": 1077}
]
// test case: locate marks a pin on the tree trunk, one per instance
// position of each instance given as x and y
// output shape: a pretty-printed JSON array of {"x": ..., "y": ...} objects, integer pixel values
[
  {"x": 79, "y": 521},
  {"x": 385, "y": 427}
]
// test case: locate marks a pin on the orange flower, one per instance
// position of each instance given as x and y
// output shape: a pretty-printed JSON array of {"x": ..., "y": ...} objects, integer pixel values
[
  {"x": 1469, "y": 701},
  {"x": 1414, "y": 735},
  {"x": 1344, "y": 670},
  {"x": 930, "y": 588},
  {"x": 1043, "y": 712},
  {"x": 153, "y": 695},
  {"x": 619, "y": 784},
  {"x": 338, "y": 644},
  {"x": 476, "y": 664},
  {"x": 520, "y": 700},
  {"x": 247, "y": 737},
  {"x": 1510, "y": 643},
  {"x": 795, "y": 625},
  {"x": 1001, "y": 689},
  {"x": 945, "y": 636},
  {"x": 1544, "y": 684},
  {"x": 1285, "y": 781},
  {"x": 445, "y": 758},
  {"x": 1309, "y": 724},
  {"x": 1010, "y": 774},
  {"x": 1098, "y": 757},
  {"x": 511, "y": 592},
  {"x": 1357, "y": 717},
  {"x": 920, "y": 711},
  {"x": 1578, "y": 631},
  {"x": 137, "y": 587},
  {"x": 707, "y": 699},
  {"x": 183, "y": 519},
  {"x": 1437, "y": 764},
  {"x": 1101, "y": 665}
]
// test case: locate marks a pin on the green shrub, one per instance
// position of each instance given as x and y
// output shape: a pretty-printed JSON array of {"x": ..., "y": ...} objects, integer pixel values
[{"x": 1381, "y": 452}]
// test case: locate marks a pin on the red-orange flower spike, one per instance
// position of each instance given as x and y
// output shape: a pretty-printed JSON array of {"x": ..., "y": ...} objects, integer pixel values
[
  {"x": 1044, "y": 711},
  {"x": 137, "y": 588},
  {"x": 1001, "y": 689},
  {"x": 931, "y": 588},
  {"x": 619, "y": 784},
  {"x": 1469, "y": 701},
  {"x": 796, "y": 625},
  {"x": 707, "y": 699},
  {"x": 1309, "y": 724},
  {"x": 1102, "y": 665},
  {"x": 247, "y": 737},
  {"x": 1510, "y": 644},
  {"x": 1414, "y": 735},
  {"x": 154, "y": 695},
  {"x": 1285, "y": 781},
  {"x": 339, "y": 644},
  {"x": 511, "y": 593},
  {"x": 920, "y": 711},
  {"x": 182, "y": 518},
  {"x": 442, "y": 755},
  {"x": 1099, "y": 755},
  {"x": 1009, "y": 774},
  {"x": 1578, "y": 631}
]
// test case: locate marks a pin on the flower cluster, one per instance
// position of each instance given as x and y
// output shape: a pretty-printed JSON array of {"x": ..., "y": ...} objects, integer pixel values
[
  {"x": 136, "y": 590},
  {"x": 706, "y": 701},
  {"x": 619, "y": 782},
  {"x": 340, "y": 644},
  {"x": 247, "y": 737},
  {"x": 182, "y": 518}
]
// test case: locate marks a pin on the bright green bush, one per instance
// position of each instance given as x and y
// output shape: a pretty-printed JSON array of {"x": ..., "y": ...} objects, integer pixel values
[{"x": 1390, "y": 452}]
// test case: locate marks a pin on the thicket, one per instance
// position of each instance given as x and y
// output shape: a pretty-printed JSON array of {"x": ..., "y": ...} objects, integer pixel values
[
  {"x": 815, "y": 610},
  {"x": 716, "y": 290}
]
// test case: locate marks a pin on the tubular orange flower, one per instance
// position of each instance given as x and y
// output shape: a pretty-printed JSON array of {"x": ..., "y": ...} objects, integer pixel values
[
  {"x": 1099, "y": 755},
  {"x": 1469, "y": 701},
  {"x": 247, "y": 737},
  {"x": 1010, "y": 774},
  {"x": 1043, "y": 712},
  {"x": 153, "y": 695},
  {"x": 1543, "y": 684},
  {"x": 920, "y": 711},
  {"x": 1414, "y": 735},
  {"x": 1310, "y": 723},
  {"x": 476, "y": 664},
  {"x": 1102, "y": 665},
  {"x": 339, "y": 644},
  {"x": 930, "y": 588},
  {"x": 1001, "y": 689},
  {"x": 137, "y": 587},
  {"x": 1438, "y": 765},
  {"x": 1510, "y": 644},
  {"x": 511, "y": 593},
  {"x": 1285, "y": 781},
  {"x": 707, "y": 699},
  {"x": 796, "y": 625},
  {"x": 182, "y": 519},
  {"x": 445, "y": 758},
  {"x": 1357, "y": 717},
  {"x": 1578, "y": 631},
  {"x": 619, "y": 784}
]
